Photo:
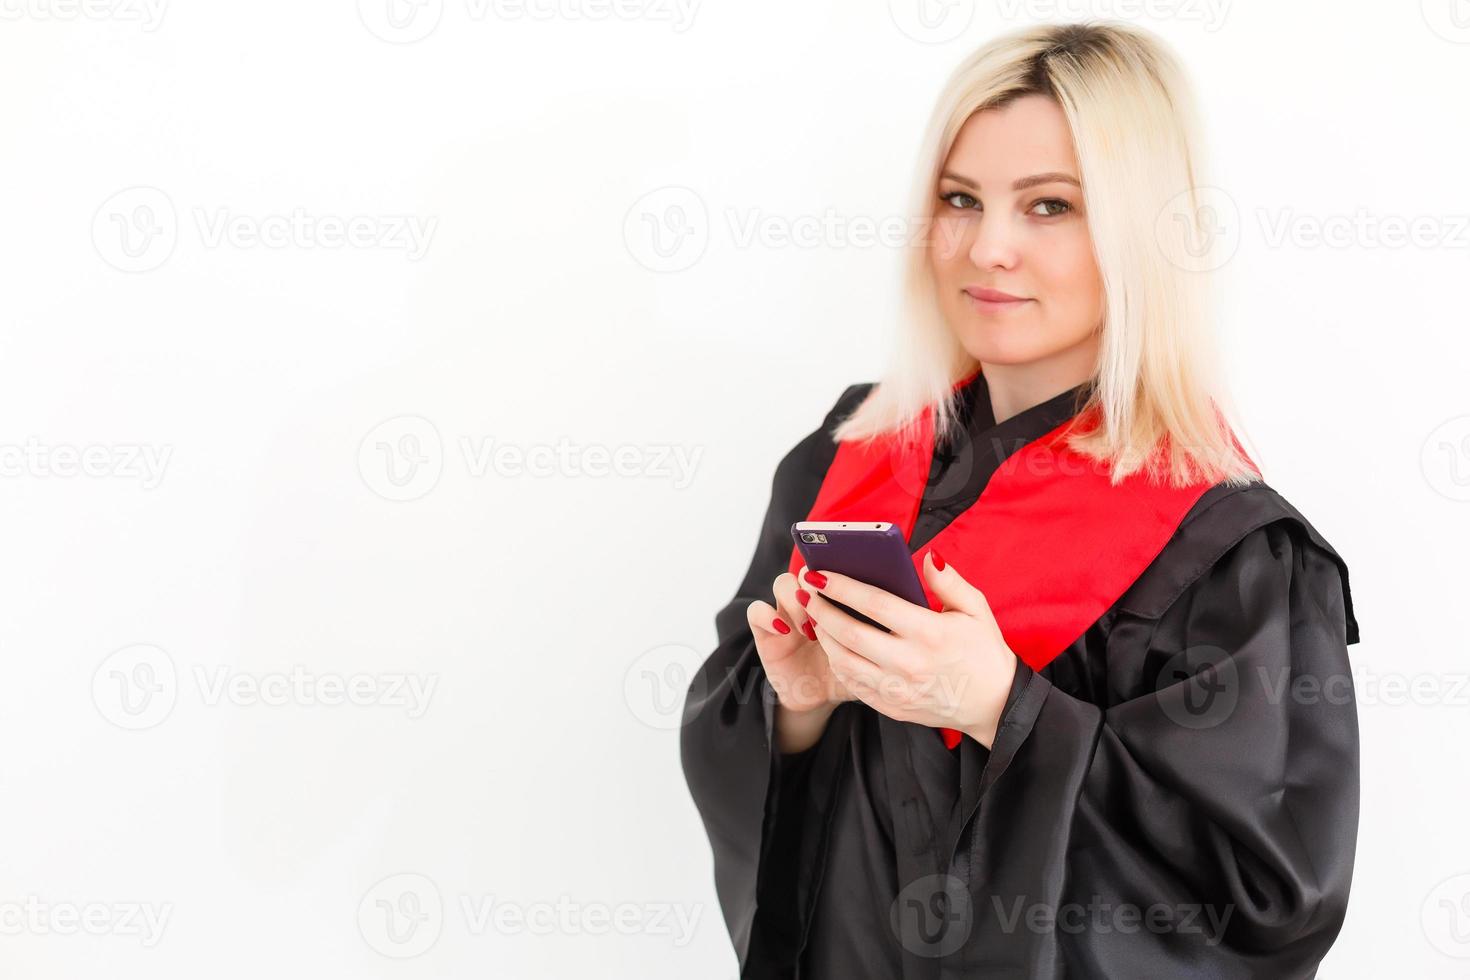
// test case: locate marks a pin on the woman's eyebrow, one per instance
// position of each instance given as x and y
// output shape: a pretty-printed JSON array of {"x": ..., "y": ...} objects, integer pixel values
[{"x": 1020, "y": 184}]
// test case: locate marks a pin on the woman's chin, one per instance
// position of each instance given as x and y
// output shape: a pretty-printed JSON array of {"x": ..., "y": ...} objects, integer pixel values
[{"x": 991, "y": 347}]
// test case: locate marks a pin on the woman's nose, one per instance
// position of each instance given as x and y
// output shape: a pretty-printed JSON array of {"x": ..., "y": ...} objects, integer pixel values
[{"x": 995, "y": 243}]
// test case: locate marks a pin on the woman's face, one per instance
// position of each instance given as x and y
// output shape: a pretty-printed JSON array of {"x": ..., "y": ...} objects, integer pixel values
[{"x": 1009, "y": 219}]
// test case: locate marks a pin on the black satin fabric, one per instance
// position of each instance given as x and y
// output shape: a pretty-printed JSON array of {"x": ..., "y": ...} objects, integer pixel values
[{"x": 1175, "y": 795}]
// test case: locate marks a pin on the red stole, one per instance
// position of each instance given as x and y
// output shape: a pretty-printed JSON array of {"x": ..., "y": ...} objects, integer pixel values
[{"x": 1050, "y": 542}]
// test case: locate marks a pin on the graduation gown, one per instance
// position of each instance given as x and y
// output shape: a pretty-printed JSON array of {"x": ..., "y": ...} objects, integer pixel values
[{"x": 1174, "y": 795}]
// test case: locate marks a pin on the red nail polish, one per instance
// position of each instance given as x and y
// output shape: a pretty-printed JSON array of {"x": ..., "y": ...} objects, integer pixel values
[
  {"x": 816, "y": 578},
  {"x": 803, "y": 596},
  {"x": 938, "y": 559},
  {"x": 780, "y": 626},
  {"x": 806, "y": 628}
]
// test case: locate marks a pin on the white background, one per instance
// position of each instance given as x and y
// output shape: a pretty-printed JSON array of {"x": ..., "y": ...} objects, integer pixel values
[{"x": 281, "y": 389}]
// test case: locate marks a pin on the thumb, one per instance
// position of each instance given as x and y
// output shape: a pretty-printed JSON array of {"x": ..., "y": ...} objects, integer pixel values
[{"x": 950, "y": 586}]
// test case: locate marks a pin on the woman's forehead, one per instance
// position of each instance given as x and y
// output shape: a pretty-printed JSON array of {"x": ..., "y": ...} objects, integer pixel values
[{"x": 1024, "y": 137}]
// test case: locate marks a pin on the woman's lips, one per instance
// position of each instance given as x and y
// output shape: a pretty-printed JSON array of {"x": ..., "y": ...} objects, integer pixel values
[{"x": 993, "y": 300}]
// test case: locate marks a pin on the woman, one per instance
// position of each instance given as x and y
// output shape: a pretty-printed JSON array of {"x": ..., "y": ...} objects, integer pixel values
[{"x": 1121, "y": 740}]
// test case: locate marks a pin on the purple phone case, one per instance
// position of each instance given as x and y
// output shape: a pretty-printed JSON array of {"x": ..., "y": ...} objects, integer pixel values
[{"x": 861, "y": 551}]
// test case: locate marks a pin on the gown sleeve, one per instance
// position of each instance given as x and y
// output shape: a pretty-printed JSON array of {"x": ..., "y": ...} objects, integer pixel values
[
  {"x": 739, "y": 781},
  {"x": 1196, "y": 815}
]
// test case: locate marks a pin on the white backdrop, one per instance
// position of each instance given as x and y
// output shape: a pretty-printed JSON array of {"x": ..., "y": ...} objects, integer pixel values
[{"x": 389, "y": 397}]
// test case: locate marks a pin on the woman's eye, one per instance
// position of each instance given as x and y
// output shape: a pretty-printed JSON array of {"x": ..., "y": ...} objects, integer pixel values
[
  {"x": 1054, "y": 205},
  {"x": 958, "y": 199}
]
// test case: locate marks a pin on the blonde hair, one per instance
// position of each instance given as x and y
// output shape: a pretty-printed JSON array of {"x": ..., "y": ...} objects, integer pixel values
[{"x": 1157, "y": 404}]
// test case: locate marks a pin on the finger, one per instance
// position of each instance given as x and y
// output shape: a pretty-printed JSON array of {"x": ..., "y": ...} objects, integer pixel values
[
  {"x": 861, "y": 677},
  {"x": 784, "y": 589},
  {"x": 762, "y": 616},
  {"x": 904, "y": 618},
  {"x": 885, "y": 649},
  {"x": 952, "y": 588}
]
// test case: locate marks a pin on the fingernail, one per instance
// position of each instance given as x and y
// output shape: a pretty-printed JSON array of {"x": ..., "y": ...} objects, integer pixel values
[
  {"x": 803, "y": 596},
  {"x": 780, "y": 626},
  {"x": 817, "y": 579},
  {"x": 938, "y": 560},
  {"x": 806, "y": 628}
]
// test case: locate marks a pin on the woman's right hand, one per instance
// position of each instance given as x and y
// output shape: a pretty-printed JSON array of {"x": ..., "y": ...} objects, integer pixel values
[{"x": 795, "y": 663}]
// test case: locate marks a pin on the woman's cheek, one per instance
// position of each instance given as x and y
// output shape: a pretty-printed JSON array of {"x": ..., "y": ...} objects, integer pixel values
[{"x": 949, "y": 242}]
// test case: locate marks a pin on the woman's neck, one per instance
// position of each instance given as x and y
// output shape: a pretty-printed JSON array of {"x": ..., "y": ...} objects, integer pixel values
[{"x": 1016, "y": 387}]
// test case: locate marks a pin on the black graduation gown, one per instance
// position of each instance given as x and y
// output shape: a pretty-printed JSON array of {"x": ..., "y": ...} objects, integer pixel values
[{"x": 1174, "y": 795}]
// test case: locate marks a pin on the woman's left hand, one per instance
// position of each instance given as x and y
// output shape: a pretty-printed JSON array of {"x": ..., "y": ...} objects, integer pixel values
[{"x": 949, "y": 669}]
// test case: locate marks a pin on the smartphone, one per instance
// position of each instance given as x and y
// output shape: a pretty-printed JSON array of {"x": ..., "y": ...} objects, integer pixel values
[{"x": 873, "y": 552}]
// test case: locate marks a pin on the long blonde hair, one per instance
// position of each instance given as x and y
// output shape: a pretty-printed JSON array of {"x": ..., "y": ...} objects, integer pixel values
[{"x": 1158, "y": 404}]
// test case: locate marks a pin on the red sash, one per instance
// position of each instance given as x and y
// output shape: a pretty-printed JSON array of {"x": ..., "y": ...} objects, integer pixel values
[{"x": 1050, "y": 542}]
